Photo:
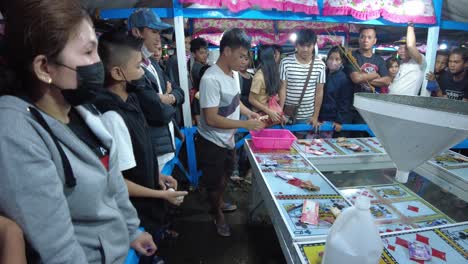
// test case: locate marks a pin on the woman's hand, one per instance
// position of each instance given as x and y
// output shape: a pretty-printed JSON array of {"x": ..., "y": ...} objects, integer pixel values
[
  {"x": 144, "y": 244},
  {"x": 274, "y": 116},
  {"x": 337, "y": 126}
]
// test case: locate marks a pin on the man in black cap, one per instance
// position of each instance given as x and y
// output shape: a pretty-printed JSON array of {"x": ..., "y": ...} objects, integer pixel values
[{"x": 409, "y": 78}]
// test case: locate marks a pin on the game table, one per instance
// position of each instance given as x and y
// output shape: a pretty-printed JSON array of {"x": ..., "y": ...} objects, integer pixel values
[{"x": 397, "y": 208}]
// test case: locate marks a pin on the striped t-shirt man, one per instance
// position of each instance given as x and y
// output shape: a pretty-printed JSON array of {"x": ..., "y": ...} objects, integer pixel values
[{"x": 295, "y": 74}]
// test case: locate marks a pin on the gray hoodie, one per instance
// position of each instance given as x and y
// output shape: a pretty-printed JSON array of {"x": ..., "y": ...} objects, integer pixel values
[{"x": 92, "y": 222}]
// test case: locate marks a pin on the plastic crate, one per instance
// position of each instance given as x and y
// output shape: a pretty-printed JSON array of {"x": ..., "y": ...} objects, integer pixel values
[{"x": 272, "y": 139}]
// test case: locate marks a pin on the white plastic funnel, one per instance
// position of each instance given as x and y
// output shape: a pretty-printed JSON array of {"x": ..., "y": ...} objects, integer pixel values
[{"x": 413, "y": 129}]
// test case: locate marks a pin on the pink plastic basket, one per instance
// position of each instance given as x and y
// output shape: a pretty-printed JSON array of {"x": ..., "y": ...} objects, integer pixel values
[{"x": 273, "y": 139}]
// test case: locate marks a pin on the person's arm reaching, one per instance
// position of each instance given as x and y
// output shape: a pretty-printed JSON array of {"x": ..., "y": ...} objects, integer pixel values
[
  {"x": 210, "y": 96},
  {"x": 213, "y": 119},
  {"x": 136, "y": 190},
  {"x": 274, "y": 116},
  {"x": 411, "y": 45}
]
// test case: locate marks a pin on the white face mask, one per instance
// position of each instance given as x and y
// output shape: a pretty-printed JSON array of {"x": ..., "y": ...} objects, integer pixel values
[
  {"x": 333, "y": 66},
  {"x": 146, "y": 53}
]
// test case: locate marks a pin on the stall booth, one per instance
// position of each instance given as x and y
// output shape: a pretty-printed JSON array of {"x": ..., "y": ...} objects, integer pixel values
[{"x": 429, "y": 208}]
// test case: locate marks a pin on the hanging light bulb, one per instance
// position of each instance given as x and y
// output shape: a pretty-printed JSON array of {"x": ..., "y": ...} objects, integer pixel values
[{"x": 293, "y": 37}]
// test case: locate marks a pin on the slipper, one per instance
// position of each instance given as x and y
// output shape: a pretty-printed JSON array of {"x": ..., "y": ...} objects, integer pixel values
[
  {"x": 236, "y": 178},
  {"x": 228, "y": 207},
  {"x": 171, "y": 234},
  {"x": 157, "y": 260},
  {"x": 223, "y": 230}
]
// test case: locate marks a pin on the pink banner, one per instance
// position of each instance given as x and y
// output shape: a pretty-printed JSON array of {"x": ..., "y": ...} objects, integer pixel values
[
  {"x": 318, "y": 27},
  {"x": 309, "y": 7},
  {"x": 257, "y": 38},
  {"x": 322, "y": 40},
  {"x": 220, "y": 25},
  {"x": 305, "y": 6},
  {"x": 398, "y": 11}
]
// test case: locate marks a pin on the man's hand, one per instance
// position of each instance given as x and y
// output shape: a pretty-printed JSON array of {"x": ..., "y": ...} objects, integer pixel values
[
  {"x": 144, "y": 244},
  {"x": 168, "y": 87},
  {"x": 430, "y": 76},
  {"x": 337, "y": 126},
  {"x": 167, "y": 98},
  {"x": 167, "y": 181},
  {"x": 253, "y": 115},
  {"x": 254, "y": 124},
  {"x": 314, "y": 122}
]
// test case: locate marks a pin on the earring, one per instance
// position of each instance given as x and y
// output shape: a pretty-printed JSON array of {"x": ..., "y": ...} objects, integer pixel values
[{"x": 49, "y": 81}]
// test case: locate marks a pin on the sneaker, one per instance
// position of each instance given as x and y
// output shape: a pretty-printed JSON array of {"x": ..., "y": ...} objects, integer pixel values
[
  {"x": 223, "y": 230},
  {"x": 228, "y": 207}
]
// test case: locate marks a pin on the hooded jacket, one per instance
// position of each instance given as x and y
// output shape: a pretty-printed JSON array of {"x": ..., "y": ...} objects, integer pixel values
[{"x": 92, "y": 222}]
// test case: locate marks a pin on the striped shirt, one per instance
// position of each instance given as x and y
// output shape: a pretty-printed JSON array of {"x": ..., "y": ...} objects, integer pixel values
[{"x": 295, "y": 74}]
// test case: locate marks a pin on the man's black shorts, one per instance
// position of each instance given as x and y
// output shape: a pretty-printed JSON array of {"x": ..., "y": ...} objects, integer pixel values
[{"x": 216, "y": 163}]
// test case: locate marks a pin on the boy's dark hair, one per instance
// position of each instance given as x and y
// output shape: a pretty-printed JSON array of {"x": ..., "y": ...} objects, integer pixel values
[
  {"x": 234, "y": 39},
  {"x": 186, "y": 34},
  {"x": 197, "y": 44},
  {"x": 114, "y": 48},
  {"x": 460, "y": 51},
  {"x": 306, "y": 37},
  {"x": 442, "y": 53},
  {"x": 391, "y": 60},
  {"x": 366, "y": 28}
]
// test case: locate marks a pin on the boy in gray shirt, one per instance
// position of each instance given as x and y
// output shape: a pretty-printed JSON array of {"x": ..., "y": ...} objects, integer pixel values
[{"x": 221, "y": 108}]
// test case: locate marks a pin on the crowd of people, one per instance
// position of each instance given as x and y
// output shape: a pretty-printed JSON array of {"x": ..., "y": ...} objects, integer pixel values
[{"x": 88, "y": 124}]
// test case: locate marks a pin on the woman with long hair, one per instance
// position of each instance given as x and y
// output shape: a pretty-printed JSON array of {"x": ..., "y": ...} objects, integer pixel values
[
  {"x": 60, "y": 180},
  {"x": 338, "y": 92},
  {"x": 266, "y": 84}
]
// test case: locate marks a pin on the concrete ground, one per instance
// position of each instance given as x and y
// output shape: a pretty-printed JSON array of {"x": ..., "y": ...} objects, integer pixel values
[{"x": 250, "y": 243}]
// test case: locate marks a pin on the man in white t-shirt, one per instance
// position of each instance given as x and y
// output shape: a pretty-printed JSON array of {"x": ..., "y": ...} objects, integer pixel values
[
  {"x": 220, "y": 112},
  {"x": 409, "y": 78}
]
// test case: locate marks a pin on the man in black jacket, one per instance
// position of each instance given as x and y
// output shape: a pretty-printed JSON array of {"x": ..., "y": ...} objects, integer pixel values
[{"x": 145, "y": 24}]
